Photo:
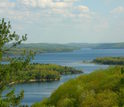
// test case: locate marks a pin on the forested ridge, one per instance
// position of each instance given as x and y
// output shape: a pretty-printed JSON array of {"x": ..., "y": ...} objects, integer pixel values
[
  {"x": 52, "y": 48},
  {"x": 41, "y": 48},
  {"x": 109, "y": 60},
  {"x": 102, "y": 88}
]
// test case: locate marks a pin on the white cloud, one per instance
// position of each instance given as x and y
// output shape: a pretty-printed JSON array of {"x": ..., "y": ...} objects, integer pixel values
[
  {"x": 60, "y": 5},
  {"x": 64, "y": 8},
  {"x": 6, "y": 4},
  {"x": 83, "y": 8},
  {"x": 47, "y": 10},
  {"x": 45, "y": 3},
  {"x": 55, "y": 15},
  {"x": 118, "y": 10}
]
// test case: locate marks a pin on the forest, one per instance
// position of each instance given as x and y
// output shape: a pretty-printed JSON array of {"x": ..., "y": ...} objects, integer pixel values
[
  {"x": 109, "y": 60},
  {"x": 42, "y": 73},
  {"x": 102, "y": 88}
]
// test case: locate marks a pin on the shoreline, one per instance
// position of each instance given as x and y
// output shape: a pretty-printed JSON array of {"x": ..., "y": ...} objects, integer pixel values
[
  {"x": 34, "y": 80},
  {"x": 41, "y": 80}
]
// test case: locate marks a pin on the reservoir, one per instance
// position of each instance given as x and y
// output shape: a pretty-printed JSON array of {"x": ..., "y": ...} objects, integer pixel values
[{"x": 35, "y": 92}]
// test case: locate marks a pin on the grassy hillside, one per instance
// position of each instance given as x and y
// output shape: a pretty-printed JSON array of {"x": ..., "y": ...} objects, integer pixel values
[{"x": 102, "y": 88}]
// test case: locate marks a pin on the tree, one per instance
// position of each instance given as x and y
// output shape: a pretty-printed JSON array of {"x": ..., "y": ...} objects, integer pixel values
[{"x": 8, "y": 40}]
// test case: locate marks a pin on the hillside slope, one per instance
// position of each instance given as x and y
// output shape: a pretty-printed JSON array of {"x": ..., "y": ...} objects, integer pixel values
[{"x": 102, "y": 88}]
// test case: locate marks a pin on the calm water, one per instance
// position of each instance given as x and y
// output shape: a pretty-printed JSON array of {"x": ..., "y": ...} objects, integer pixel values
[{"x": 35, "y": 92}]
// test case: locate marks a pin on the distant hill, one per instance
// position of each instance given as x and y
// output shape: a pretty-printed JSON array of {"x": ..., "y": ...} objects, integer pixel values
[
  {"x": 110, "y": 46},
  {"x": 48, "y": 48},
  {"x": 98, "y": 45},
  {"x": 42, "y": 48}
]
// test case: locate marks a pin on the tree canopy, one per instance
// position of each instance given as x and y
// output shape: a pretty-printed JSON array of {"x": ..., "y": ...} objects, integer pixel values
[
  {"x": 7, "y": 74},
  {"x": 102, "y": 88}
]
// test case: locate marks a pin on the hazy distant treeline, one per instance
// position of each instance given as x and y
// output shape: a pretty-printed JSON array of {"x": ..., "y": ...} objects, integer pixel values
[{"x": 110, "y": 60}]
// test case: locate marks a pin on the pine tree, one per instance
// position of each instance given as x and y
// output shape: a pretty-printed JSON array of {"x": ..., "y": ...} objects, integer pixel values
[{"x": 8, "y": 40}]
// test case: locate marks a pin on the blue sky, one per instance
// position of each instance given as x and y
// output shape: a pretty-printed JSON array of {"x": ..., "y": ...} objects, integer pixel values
[{"x": 65, "y": 21}]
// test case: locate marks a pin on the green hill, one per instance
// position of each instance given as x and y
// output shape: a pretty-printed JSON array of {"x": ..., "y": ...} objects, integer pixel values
[
  {"x": 102, "y": 88},
  {"x": 48, "y": 48},
  {"x": 41, "y": 48}
]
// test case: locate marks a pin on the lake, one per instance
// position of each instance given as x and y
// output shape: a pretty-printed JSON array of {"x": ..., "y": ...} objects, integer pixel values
[{"x": 35, "y": 92}]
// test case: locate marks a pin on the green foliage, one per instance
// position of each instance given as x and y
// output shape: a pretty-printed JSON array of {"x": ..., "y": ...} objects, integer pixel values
[
  {"x": 8, "y": 73},
  {"x": 53, "y": 67},
  {"x": 39, "y": 72},
  {"x": 6, "y": 36},
  {"x": 110, "y": 60},
  {"x": 102, "y": 88}
]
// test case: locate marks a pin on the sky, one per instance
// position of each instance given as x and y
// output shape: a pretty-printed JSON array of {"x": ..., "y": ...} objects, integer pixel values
[{"x": 66, "y": 21}]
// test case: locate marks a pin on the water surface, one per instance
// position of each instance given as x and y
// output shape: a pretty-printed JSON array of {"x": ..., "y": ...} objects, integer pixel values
[{"x": 35, "y": 92}]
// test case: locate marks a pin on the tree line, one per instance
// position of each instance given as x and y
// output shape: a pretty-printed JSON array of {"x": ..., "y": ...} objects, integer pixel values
[{"x": 110, "y": 60}]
